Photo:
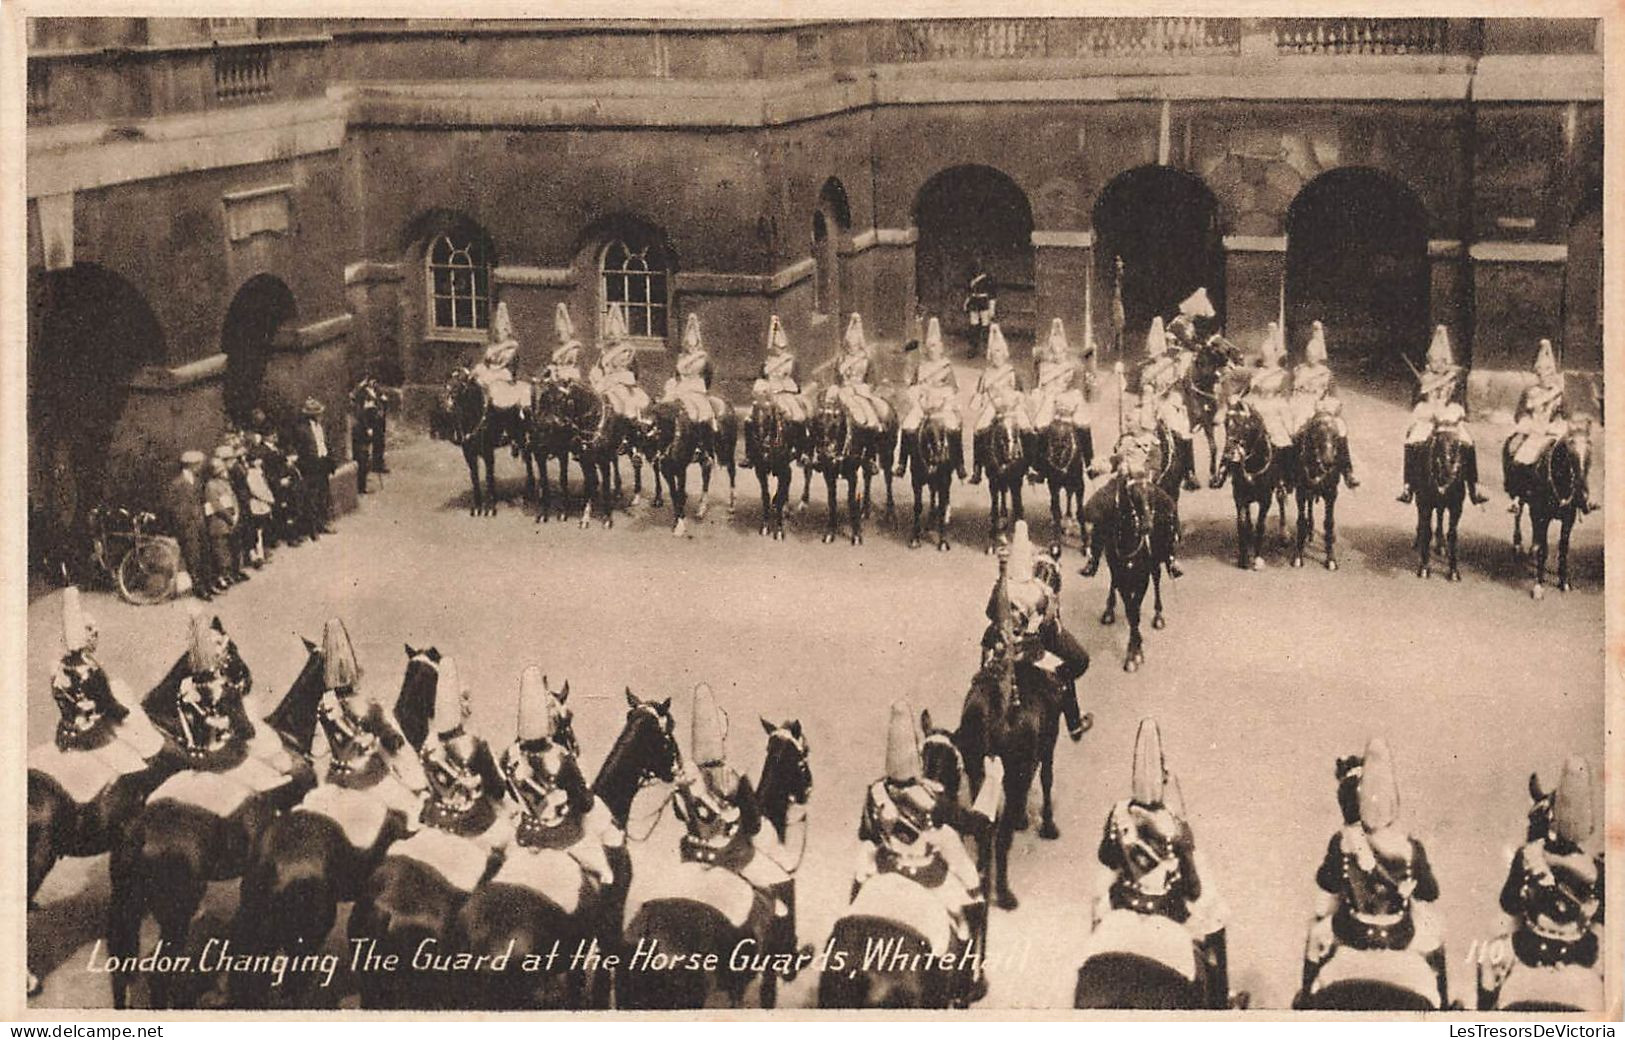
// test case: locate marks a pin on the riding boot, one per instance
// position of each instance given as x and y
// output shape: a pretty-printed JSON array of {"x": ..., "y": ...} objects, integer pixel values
[
  {"x": 1413, "y": 466},
  {"x": 1093, "y": 566},
  {"x": 1310, "y": 970},
  {"x": 782, "y": 937},
  {"x": 978, "y": 453},
  {"x": 959, "y": 454},
  {"x": 1072, "y": 712},
  {"x": 1215, "y": 950},
  {"x": 1345, "y": 462},
  {"x": 973, "y": 981},
  {"x": 1469, "y": 468},
  {"x": 1029, "y": 448},
  {"x": 1436, "y": 961},
  {"x": 1187, "y": 463},
  {"x": 910, "y": 446}
]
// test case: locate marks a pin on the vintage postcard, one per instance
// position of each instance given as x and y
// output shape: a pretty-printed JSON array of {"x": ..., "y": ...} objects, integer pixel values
[{"x": 1031, "y": 511}]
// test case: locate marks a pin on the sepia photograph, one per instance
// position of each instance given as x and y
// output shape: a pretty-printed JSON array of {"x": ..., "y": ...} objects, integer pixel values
[{"x": 765, "y": 511}]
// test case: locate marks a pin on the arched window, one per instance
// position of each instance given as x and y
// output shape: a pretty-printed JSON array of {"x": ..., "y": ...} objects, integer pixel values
[
  {"x": 634, "y": 276},
  {"x": 459, "y": 271},
  {"x": 824, "y": 271}
]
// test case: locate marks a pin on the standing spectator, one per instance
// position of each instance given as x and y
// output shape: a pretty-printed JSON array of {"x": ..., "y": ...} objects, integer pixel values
[
  {"x": 183, "y": 514},
  {"x": 260, "y": 502},
  {"x": 220, "y": 514},
  {"x": 315, "y": 466},
  {"x": 242, "y": 541},
  {"x": 368, "y": 404},
  {"x": 981, "y": 306}
]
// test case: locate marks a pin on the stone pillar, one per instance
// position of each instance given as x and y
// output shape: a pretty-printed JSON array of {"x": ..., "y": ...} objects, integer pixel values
[
  {"x": 1061, "y": 271},
  {"x": 890, "y": 256},
  {"x": 1254, "y": 280},
  {"x": 1447, "y": 295},
  {"x": 1518, "y": 300}
]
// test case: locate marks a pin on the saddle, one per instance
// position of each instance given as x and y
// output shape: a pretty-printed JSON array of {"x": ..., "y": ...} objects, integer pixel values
[
  {"x": 1566, "y": 985},
  {"x": 1398, "y": 968},
  {"x": 1150, "y": 936},
  {"x": 221, "y": 794},
  {"x": 459, "y": 860},
  {"x": 82, "y": 775},
  {"x": 717, "y": 887},
  {"x": 550, "y": 873},
  {"x": 359, "y": 815},
  {"x": 890, "y": 896}
]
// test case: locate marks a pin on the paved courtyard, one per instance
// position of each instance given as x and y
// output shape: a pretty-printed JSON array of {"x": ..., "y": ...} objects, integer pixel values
[{"x": 1260, "y": 680}]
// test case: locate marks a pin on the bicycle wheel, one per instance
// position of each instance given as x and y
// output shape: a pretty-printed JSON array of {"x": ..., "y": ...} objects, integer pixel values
[{"x": 146, "y": 575}]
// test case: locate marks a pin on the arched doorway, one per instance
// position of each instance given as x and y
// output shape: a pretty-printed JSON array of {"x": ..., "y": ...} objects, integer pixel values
[
  {"x": 260, "y": 308},
  {"x": 1164, "y": 225},
  {"x": 965, "y": 214},
  {"x": 90, "y": 331},
  {"x": 1583, "y": 289},
  {"x": 831, "y": 222},
  {"x": 1357, "y": 261}
]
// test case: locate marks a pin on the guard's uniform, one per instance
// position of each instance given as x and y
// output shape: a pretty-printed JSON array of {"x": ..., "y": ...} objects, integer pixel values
[
  {"x": 1162, "y": 396},
  {"x": 1269, "y": 388},
  {"x": 1314, "y": 395},
  {"x": 1378, "y": 886},
  {"x": 999, "y": 390},
  {"x": 1555, "y": 889},
  {"x": 1439, "y": 408},
  {"x": 1542, "y": 419},
  {"x": 1137, "y": 453},
  {"x": 1053, "y": 636},
  {"x": 852, "y": 389},
  {"x": 498, "y": 369},
  {"x": 356, "y": 726},
  {"x": 981, "y": 305},
  {"x": 779, "y": 380},
  {"x": 1057, "y": 397},
  {"x": 691, "y": 385}
]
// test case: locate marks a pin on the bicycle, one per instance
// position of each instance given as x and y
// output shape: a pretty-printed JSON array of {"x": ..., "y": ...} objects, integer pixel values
[{"x": 140, "y": 564}]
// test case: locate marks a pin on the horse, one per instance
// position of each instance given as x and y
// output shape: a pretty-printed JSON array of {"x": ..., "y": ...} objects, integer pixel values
[
  {"x": 1317, "y": 471},
  {"x": 1143, "y": 532},
  {"x": 1014, "y": 717},
  {"x": 1550, "y": 489},
  {"x": 317, "y": 856},
  {"x": 674, "y": 442},
  {"x": 844, "y": 449},
  {"x": 529, "y": 905},
  {"x": 1204, "y": 389},
  {"x": 175, "y": 847},
  {"x": 772, "y": 442},
  {"x": 1065, "y": 453},
  {"x": 909, "y": 919},
  {"x": 680, "y": 920},
  {"x": 368, "y": 402},
  {"x": 605, "y": 434},
  {"x": 470, "y": 420},
  {"x": 1257, "y": 472},
  {"x": 1141, "y": 962},
  {"x": 561, "y": 414},
  {"x": 931, "y": 467},
  {"x": 1442, "y": 493},
  {"x": 1005, "y": 463}
]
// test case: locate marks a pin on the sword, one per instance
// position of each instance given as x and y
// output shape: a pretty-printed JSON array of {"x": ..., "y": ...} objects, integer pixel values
[
  {"x": 1122, "y": 390},
  {"x": 1408, "y": 364}
]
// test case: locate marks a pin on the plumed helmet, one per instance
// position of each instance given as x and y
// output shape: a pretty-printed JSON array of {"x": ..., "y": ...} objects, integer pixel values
[
  {"x": 1439, "y": 353},
  {"x": 1273, "y": 349},
  {"x": 708, "y": 735},
  {"x": 1150, "y": 776},
  {"x": 1315, "y": 350},
  {"x": 776, "y": 339},
  {"x": 902, "y": 744},
  {"x": 614, "y": 323},
  {"x": 1545, "y": 359},
  {"x": 997, "y": 348},
  {"x": 1059, "y": 349},
  {"x": 854, "y": 340},
  {"x": 538, "y": 719},
  {"x": 1572, "y": 810},
  {"x": 1197, "y": 305},
  {"x": 1156, "y": 338},
  {"x": 76, "y": 627},
  {"x": 561, "y": 322},
  {"x": 933, "y": 333},
  {"x": 449, "y": 700},
  {"x": 339, "y": 667},
  {"x": 204, "y": 652},
  {"x": 692, "y": 338},
  {"x": 502, "y": 326},
  {"x": 1379, "y": 788}
]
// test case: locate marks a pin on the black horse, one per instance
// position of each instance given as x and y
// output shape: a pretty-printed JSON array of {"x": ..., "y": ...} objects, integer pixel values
[
  {"x": 773, "y": 441},
  {"x": 1005, "y": 462},
  {"x": 843, "y": 449},
  {"x": 561, "y": 414},
  {"x": 606, "y": 434},
  {"x": 1317, "y": 456},
  {"x": 1441, "y": 496},
  {"x": 674, "y": 442},
  {"x": 1140, "y": 535},
  {"x": 369, "y": 402},
  {"x": 931, "y": 468},
  {"x": 469, "y": 420},
  {"x": 1551, "y": 491},
  {"x": 1206, "y": 392},
  {"x": 508, "y": 913},
  {"x": 1065, "y": 453},
  {"x": 1257, "y": 471}
]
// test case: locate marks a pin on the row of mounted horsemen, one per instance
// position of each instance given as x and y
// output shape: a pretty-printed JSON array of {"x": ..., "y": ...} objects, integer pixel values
[{"x": 503, "y": 881}]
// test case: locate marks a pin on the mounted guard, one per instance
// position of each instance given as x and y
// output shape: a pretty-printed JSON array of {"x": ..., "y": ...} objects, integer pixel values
[
  {"x": 615, "y": 375},
  {"x": 863, "y": 406},
  {"x": 498, "y": 370},
  {"x": 691, "y": 386},
  {"x": 1542, "y": 419},
  {"x": 1269, "y": 391},
  {"x": 1314, "y": 395},
  {"x": 564, "y": 364},
  {"x": 1071, "y": 659},
  {"x": 1439, "y": 409},
  {"x": 354, "y": 722},
  {"x": 779, "y": 381},
  {"x": 1137, "y": 453},
  {"x": 1192, "y": 309},
  {"x": 1162, "y": 396},
  {"x": 463, "y": 782},
  {"x": 1057, "y": 395},
  {"x": 931, "y": 391},
  {"x": 999, "y": 392}
]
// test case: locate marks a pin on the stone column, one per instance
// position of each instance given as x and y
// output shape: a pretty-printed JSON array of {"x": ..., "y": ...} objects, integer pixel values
[
  {"x": 1254, "y": 281},
  {"x": 1061, "y": 270}
]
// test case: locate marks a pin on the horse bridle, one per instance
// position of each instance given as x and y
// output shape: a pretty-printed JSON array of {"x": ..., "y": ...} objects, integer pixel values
[
  {"x": 646, "y": 775},
  {"x": 944, "y": 740},
  {"x": 1269, "y": 449},
  {"x": 1142, "y": 528}
]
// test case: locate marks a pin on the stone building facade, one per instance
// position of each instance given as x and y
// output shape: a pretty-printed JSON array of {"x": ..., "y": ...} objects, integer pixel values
[{"x": 231, "y": 211}]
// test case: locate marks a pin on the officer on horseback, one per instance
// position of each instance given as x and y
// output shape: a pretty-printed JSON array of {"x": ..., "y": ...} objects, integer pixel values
[
  {"x": 1196, "y": 306},
  {"x": 1053, "y": 636},
  {"x": 1269, "y": 395},
  {"x": 500, "y": 363},
  {"x": 1057, "y": 396},
  {"x": 564, "y": 365},
  {"x": 1314, "y": 394},
  {"x": 908, "y": 828},
  {"x": 1376, "y": 885},
  {"x": 1150, "y": 852},
  {"x": 615, "y": 375},
  {"x": 1553, "y": 896},
  {"x": 1162, "y": 395},
  {"x": 691, "y": 386},
  {"x": 718, "y": 806},
  {"x": 463, "y": 781},
  {"x": 779, "y": 382},
  {"x": 931, "y": 391},
  {"x": 851, "y": 388},
  {"x": 1438, "y": 409},
  {"x": 1131, "y": 461},
  {"x": 999, "y": 391},
  {"x": 1542, "y": 419}
]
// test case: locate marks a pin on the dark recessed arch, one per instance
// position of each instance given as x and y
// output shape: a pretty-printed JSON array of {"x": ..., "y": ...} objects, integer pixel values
[
  {"x": 970, "y": 213},
  {"x": 257, "y": 313}
]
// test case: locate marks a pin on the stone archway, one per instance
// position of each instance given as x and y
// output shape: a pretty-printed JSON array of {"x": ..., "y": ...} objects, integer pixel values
[
  {"x": 1163, "y": 223},
  {"x": 967, "y": 213},
  {"x": 831, "y": 224},
  {"x": 1357, "y": 261},
  {"x": 259, "y": 310}
]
